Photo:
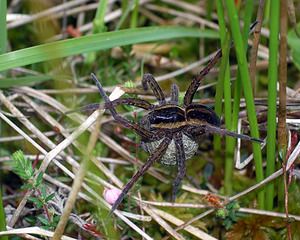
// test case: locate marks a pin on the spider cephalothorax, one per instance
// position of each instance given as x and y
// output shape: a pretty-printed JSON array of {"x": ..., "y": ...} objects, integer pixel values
[{"x": 169, "y": 132}]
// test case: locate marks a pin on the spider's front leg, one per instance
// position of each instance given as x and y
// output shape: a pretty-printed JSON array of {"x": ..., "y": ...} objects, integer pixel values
[
  {"x": 148, "y": 79},
  {"x": 120, "y": 101},
  {"x": 181, "y": 168},
  {"x": 189, "y": 95},
  {"x": 126, "y": 123},
  {"x": 208, "y": 128},
  {"x": 156, "y": 155}
]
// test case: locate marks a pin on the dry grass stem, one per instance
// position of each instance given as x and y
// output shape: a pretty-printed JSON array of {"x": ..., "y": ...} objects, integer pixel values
[
  {"x": 163, "y": 223},
  {"x": 32, "y": 230},
  {"x": 254, "y": 49}
]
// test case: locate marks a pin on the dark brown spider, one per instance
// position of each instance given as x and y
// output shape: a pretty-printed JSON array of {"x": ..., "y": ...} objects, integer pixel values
[{"x": 168, "y": 132}]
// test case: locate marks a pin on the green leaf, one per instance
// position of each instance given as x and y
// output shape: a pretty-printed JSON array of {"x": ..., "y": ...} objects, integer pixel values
[
  {"x": 36, "y": 201},
  {"x": 43, "y": 220},
  {"x": 22, "y": 166},
  {"x": 49, "y": 197},
  {"x": 222, "y": 213},
  {"x": 294, "y": 43},
  {"x": 27, "y": 186},
  {"x": 43, "y": 191},
  {"x": 96, "y": 42},
  {"x": 23, "y": 81},
  {"x": 31, "y": 220},
  {"x": 39, "y": 180}
]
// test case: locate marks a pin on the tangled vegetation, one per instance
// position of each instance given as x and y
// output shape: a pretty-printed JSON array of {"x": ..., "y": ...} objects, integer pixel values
[{"x": 63, "y": 166}]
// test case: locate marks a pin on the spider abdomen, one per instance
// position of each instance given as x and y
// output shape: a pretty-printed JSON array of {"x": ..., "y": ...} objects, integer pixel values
[
  {"x": 169, "y": 158},
  {"x": 199, "y": 112}
]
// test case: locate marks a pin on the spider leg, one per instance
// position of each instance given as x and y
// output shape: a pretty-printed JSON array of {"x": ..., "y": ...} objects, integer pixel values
[
  {"x": 156, "y": 155},
  {"x": 181, "y": 168},
  {"x": 108, "y": 104},
  {"x": 148, "y": 79},
  {"x": 189, "y": 95},
  {"x": 197, "y": 79},
  {"x": 128, "y": 101},
  {"x": 174, "y": 94},
  {"x": 133, "y": 102},
  {"x": 224, "y": 132},
  {"x": 89, "y": 107}
]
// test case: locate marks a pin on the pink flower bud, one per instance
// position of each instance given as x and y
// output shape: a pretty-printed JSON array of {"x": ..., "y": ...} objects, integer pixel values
[{"x": 111, "y": 195}]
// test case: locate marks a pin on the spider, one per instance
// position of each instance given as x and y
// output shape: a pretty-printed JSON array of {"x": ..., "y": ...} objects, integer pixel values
[{"x": 169, "y": 132}]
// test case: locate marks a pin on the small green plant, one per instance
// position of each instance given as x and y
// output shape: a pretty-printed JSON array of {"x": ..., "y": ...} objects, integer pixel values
[
  {"x": 23, "y": 168},
  {"x": 228, "y": 214}
]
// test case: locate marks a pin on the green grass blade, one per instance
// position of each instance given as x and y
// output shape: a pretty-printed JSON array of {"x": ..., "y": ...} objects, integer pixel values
[
  {"x": 134, "y": 15},
  {"x": 23, "y": 81},
  {"x": 272, "y": 93},
  {"x": 294, "y": 44},
  {"x": 231, "y": 142},
  {"x": 98, "y": 23},
  {"x": 3, "y": 31},
  {"x": 3, "y": 42},
  {"x": 222, "y": 78},
  {"x": 97, "y": 42},
  {"x": 245, "y": 77},
  {"x": 126, "y": 9}
]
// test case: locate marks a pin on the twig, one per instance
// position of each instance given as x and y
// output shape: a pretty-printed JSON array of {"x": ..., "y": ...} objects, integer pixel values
[
  {"x": 292, "y": 16},
  {"x": 164, "y": 224},
  {"x": 178, "y": 222},
  {"x": 32, "y": 230},
  {"x": 201, "y": 206},
  {"x": 282, "y": 131},
  {"x": 77, "y": 183},
  {"x": 187, "y": 7},
  {"x": 184, "y": 15},
  {"x": 256, "y": 37},
  {"x": 45, "y": 13},
  {"x": 202, "y": 215}
]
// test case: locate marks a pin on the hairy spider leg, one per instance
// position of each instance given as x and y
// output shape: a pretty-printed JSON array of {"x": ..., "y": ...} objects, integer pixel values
[
  {"x": 224, "y": 132},
  {"x": 174, "y": 94},
  {"x": 156, "y": 155},
  {"x": 108, "y": 104},
  {"x": 148, "y": 79},
  {"x": 181, "y": 168},
  {"x": 120, "y": 101},
  {"x": 189, "y": 95},
  {"x": 89, "y": 107}
]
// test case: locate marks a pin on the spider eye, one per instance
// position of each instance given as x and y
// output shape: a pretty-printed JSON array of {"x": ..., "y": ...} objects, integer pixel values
[{"x": 202, "y": 112}]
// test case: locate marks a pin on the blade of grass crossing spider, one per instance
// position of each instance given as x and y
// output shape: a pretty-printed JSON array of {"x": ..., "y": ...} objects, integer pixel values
[
  {"x": 220, "y": 88},
  {"x": 246, "y": 84}
]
